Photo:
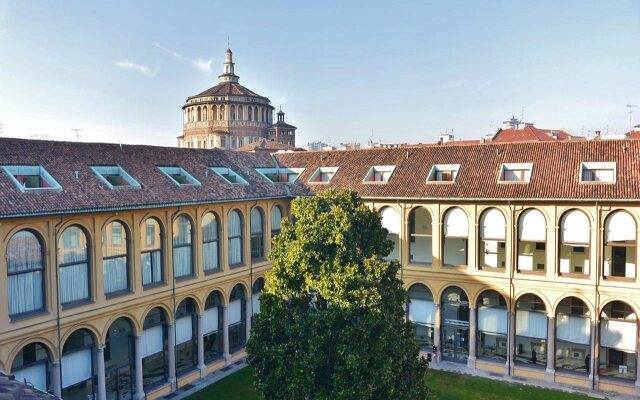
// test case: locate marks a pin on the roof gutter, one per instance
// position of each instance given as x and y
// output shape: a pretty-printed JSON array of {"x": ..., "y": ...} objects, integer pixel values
[{"x": 474, "y": 199}]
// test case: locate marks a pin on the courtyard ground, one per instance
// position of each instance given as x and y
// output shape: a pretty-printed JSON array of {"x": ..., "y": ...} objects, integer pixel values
[{"x": 443, "y": 385}]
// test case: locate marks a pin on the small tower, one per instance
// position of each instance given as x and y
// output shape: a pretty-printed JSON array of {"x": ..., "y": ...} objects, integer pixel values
[
  {"x": 228, "y": 75},
  {"x": 282, "y": 132}
]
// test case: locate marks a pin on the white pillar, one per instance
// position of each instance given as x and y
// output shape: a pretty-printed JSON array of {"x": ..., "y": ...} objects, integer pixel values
[
  {"x": 473, "y": 328},
  {"x": 249, "y": 316},
  {"x": 551, "y": 349},
  {"x": 201, "y": 366},
  {"x": 225, "y": 333},
  {"x": 56, "y": 385},
  {"x": 102, "y": 388},
  {"x": 436, "y": 335},
  {"x": 139, "y": 395},
  {"x": 172, "y": 356},
  {"x": 592, "y": 357}
]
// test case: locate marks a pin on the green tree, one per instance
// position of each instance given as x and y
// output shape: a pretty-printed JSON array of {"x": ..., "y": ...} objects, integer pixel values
[{"x": 332, "y": 314}]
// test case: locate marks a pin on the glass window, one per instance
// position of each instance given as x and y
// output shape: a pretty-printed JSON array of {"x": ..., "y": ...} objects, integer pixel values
[
  {"x": 73, "y": 256},
  {"x": 454, "y": 324},
  {"x": 573, "y": 335},
  {"x": 29, "y": 178},
  {"x": 575, "y": 231},
  {"x": 620, "y": 245},
  {"x": 492, "y": 325},
  {"x": 182, "y": 247},
  {"x": 154, "y": 350},
  {"x": 237, "y": 311},
  {"x": 420, "y": 240},
  {"x": 443, "y": 173},
  {"x": 276, "y": 220},
  {"x": 391, "y": 222},
  {"x": 257, "y": 234},
  {"x": 186, "y": 337},
  {"x": 151, "y": 252},
  {"x": 25, "y": 270},
  {"x": 213, "y": 324},
  {"x": 493, "y": 234},
  {"x": 236, "y": 238},
  {"x": 618, "y": 341},
  {"x": 31, "y": 365},
  {"x": 115, "y": 258},
  {"x": 421, "y": 314},
  {"x": 532, "y": 237},
  {"x": 119, "y": 360},
  {"x": 455, "y": 237},
  {"x": 256, "y": 292},
  {"x": 210, "y": 242},
  {"x": 531, "y": 331},
  {"x": 379, "y": 174},
  {"x": 77, "y": 366}
]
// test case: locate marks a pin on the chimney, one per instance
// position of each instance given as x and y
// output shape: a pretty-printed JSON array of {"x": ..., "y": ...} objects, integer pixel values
[{"x": 597, "y": 134}]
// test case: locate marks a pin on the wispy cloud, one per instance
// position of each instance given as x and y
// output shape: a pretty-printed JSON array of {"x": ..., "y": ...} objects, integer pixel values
[
  {"x": 4, "y": 13},
  {"x": 200, "y": 64},
  {"x": 468, "y": 84},
  {"x": 142, "y": 69}
]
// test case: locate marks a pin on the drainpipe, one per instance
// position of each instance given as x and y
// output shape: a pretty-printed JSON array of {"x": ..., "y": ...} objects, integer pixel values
[
  {"x": 173, "y": 294},
  {"x": 55, "y": 249},
  {"x": 598, "y": 271}
]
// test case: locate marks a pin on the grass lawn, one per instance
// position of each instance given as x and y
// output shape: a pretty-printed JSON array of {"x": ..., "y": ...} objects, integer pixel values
[{"x": 444, "y": 386}]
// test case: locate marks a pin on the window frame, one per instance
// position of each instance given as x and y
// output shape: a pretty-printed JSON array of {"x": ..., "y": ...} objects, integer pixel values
[
  {"x": 145, "y": 250},
  {"x": 598, "y": 166},
  {"x": 168, "y": 171},
  {"x": 14, "y": 170},
  {"x": 391, "y": 169},
  {"x": 127, "y": 256},
  {"x": 216, "y": 241},
  {"x": 101, "y": 170},
  {"x": 221, "y": 171},
  {"x": 42, "y": 269},
  {"x": 70, "y": 264},
  {"x": 319, "y": 172},
  {"x": 438, "y": 168},
  {"x": 506, "y": 167}
]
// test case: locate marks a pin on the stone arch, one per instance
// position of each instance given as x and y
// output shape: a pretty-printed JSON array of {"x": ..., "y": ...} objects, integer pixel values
[
  {"x": 98, "y": 340},
  {"x": 46, "y": 343},
  {"x": 198, "y": 302},
  {"x": 166, "y": 309},
  {"x": 136, "y": 326}
]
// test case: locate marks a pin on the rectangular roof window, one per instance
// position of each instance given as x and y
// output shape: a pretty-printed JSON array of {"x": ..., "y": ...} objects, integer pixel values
[
  {"x": 280, "y": 175},
  {"x": 323, "y": 175},
  {"x": 30, "y": 178},
  {"x": 598, "y": 172},
  {"x": 229, "y": 175},
  {"x": 515, "y": 173},
  {"x": 115, "y": 177},
  {"x": 379, "y": 174},
  {"x": 445, "y": 173},
  {"x": 179, "y": 176}
]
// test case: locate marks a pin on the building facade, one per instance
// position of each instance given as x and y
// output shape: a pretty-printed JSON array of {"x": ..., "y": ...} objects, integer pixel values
[
  {"x": 229, "y": 115},
  {"x": 133, "y": 270}
]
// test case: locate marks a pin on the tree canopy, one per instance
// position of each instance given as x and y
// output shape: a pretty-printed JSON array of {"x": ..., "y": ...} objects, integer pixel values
[{"x": 332, "y": 320}]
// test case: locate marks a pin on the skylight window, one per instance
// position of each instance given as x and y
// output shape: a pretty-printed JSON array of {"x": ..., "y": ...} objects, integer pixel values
[
  {"x": 445, "y": 173},
  {"x": 323, "y": 175},
  {"x": 179, "y": 176},
  {"x": 280, "y": 175},
  {"x": 229, "y": 175},
  {"x": 603, "y": 172},
  {"x": 379, "y": 174},
  {"x": 30, "y": 178},
  {"x": 115, "y": 177},
  {"x": 515, "y": 173}
]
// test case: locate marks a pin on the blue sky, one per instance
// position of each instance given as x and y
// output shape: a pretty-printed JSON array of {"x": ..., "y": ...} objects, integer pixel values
[{"x": 342, "y": 70}]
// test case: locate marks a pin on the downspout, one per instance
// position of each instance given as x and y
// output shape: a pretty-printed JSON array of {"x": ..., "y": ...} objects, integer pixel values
[
  {"x": 598, "y": 271},
  {"x": 58, "y": 328},
  {"x": 404, "y": 231},
  {"x": 514, "y": 232},
  {"x": 173, "y": 293},
  {"x": 251, "y": 262}
]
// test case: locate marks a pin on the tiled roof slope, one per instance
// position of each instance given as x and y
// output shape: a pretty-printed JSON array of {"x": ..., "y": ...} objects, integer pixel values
[
  {"x": 88, "y": 193},
  {"x": 268, "y": 145},
  {"x": 11, "y": 389},
  {"x": 227, "y": 89},
  {"x": 555, "y": 171},
  {"x": 531, "y": 133}
]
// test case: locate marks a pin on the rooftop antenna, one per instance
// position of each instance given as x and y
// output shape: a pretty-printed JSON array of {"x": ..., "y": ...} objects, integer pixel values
[
  {"x": 630, "y": 117},
  {"x": 228, "y": 43},
  {"x": 522, "y": 114},
  {"x": 77, "y": 132}
]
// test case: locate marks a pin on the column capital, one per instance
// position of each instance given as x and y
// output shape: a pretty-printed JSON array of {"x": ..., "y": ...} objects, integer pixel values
[{"x": 101, "y": 347}]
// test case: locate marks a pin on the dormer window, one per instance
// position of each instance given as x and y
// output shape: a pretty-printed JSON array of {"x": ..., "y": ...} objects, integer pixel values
[
  {"x": 115, "y": 177},
  {"x": 229, "y": 175},
  {"x": 179, "y": 176},
  {"x": 515, "y": 173},
  {"x": 443, "y": 173},
  {"x": 280, "y": 175},
  {"x": 603, "y": 172},
  {"x": 379, "y": 174},
  {"x": 30, "y": 178},
  {"x": 323, "y": 175}
]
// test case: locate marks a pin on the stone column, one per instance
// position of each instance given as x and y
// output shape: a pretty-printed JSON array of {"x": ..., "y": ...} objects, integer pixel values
[
  {"x": 473, "y": 328},
  {"x": 172, "y": 356},
  {"x": 201, "y": 366},
  {"x": 511, "y": 328},
  {"x": 551, "y": 349},
  {"x": 56, "y": 384},
  {"x": 249, "y": 307},
  {"x": 139, "y": 373},
  {"x": 225, "y": 334},
  {"x": 102, "y": 388},
  {"x": 593, "y": 373},
  {"x": 436, "y": 334}
]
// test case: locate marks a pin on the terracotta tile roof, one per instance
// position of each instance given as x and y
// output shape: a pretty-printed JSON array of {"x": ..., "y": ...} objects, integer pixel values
[
  {"x": 532, "y": 134},
  {"x": 267, "y": 145},
  {"x": 88, "y": 193},
  {"x": 555, "y": 171},
  {"x": 11, "y": 389},
  {"x": 227, "y": 89}
]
